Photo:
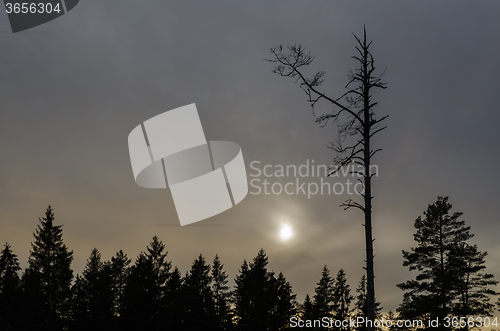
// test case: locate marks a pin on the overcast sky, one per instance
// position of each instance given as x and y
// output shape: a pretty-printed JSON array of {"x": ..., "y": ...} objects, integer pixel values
[{"x": 71, "y": 91}]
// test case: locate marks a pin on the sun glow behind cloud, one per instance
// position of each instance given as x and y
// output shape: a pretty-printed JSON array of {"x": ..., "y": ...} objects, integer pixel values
[{"x": 286, "y": 232}]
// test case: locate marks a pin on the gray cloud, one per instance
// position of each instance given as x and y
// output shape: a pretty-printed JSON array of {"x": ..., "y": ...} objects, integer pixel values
[{"x": 72, "y": 89}]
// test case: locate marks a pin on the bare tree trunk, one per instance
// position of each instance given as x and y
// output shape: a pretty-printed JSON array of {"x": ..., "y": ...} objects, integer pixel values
[
  {"x": 370, "y": 305},
  {"x": 360, "y": 121}
]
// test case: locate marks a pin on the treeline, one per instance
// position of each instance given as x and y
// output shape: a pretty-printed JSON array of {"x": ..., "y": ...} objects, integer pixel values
[{"x": 152, "y": 294}]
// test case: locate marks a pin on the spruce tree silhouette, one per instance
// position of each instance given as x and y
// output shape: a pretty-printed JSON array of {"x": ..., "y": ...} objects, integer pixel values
[
  {"x": 242, "y": 298},
  {"x": 174, "y": 302},
  {"x": 10, "y": 305},
  {"x": 120, "y": 269},
  {"x": 360, "y": 304},
  {"x": 93, "y": 299},
  {"x": 323, "y": 296},
  {"x": 79, "y": 305},
  {"x": 47, "y": 279},
  {"x": 286, "y": 305},
  {"x": 221, "y": 296},
  {"x": 307, "y": 311},
  {"x": 161, "y": 272},
  {"x": 99, "y": 282},
  {"x": 256, "y": 299},
  {"x": 199, "y": 297},
  {"x": 342, "y": 298},
  {"x": 144, "y": 291}
]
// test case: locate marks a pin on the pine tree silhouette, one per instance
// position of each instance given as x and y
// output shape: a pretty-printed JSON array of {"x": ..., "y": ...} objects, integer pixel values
[{"x": 450, "y": 279}]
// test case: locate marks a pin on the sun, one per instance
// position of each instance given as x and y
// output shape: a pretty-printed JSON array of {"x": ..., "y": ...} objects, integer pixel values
[{"x": 286, "y": 232}]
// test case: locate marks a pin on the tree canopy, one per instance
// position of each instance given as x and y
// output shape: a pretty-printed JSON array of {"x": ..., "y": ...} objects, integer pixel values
[{"x": 451, "y": 279}]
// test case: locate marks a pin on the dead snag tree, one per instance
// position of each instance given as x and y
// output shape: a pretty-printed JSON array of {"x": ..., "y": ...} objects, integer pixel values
[{"x": 353, "y": 113}]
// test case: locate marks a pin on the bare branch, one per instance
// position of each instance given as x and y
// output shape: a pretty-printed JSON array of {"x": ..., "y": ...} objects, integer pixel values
[
  {"x": 373, "y": 133},
  {"x": 374, "y": 152},
  {"x": 352, "y": 204},
  {"x": 288, "y": 65}
]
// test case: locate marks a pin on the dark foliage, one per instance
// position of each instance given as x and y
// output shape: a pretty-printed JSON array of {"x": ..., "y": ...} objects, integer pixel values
[
  {"x": 222, "y": 297},
  {"x": 153, "y": 295},
  {"x": 262, "y": 301},
  {"x": 450, "y": 280},
  {"x": 47, "y": 280},
  {"x": 323, "y": 297},
  {"x": 342, "y": 298},
  {"x": 9, "y": 290},
  {"x": 360, "y": 309}
]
